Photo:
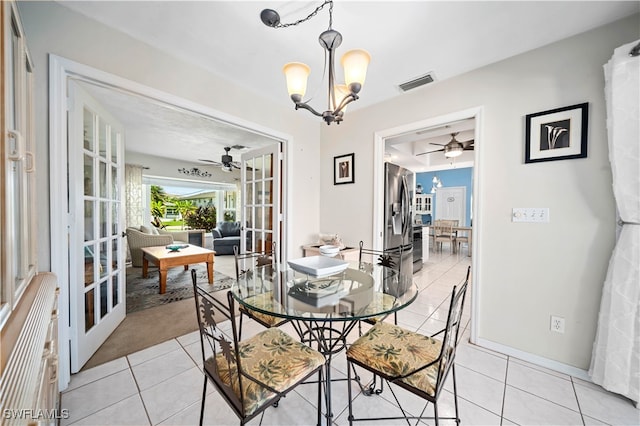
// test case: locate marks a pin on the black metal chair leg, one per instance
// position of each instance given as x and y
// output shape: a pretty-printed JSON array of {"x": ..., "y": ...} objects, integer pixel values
[
  {"x": 350, "y": 418},
  {"x": 204, "y": 396},
  {"x": 240, "y": 327},
  {"x": 320, "y": 397},
  {"x": 455, "y": 392},
  {"x": 435, "y": 413}
]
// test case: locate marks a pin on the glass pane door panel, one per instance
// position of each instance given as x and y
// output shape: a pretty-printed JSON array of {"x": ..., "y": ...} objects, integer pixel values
[
  {"x": 115, "y": 193},
  {"x": 103, "y": 259},
  {"x": 268, "y": 166},
  {"x": 88, "y": 175},
  {"x": 88, "y": 220},
  {"x": 102, "y": 135},
  {"x": 89, "y": 265},
  {"x": 114, "y": 147},
  {"x": 88, "y": 130},
  {"x": 259, "y": 222},
  {"x": 102, "y": 179},
  {"x": 115, "y": 246},
  {"x": 249, "y": 193},
  {"x": 250, "y": 170},
  {"x": 104, "y": 220},
  {"x": 104, "y": 303},
  {"x": 114, "y": 218},
  {"x": 114, "y": 291},
  {"x": 89, "y": 310}
]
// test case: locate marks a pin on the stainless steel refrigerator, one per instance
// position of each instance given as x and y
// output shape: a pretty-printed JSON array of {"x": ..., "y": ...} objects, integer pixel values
[{"x": 398, "y": 213}]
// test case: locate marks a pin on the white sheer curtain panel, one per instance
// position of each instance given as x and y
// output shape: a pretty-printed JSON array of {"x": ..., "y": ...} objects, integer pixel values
[
  {"x": 133, "y": 194},
  {"x": 615, "y": 362}
]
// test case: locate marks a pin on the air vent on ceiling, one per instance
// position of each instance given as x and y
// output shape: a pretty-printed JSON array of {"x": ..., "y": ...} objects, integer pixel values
[{"x": 417, "y": 82}]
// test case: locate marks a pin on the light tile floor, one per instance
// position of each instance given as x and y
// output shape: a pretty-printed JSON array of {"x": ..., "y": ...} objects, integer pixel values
[{"x": 162, "y": 385}]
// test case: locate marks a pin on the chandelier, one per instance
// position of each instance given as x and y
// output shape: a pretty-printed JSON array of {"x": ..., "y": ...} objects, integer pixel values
[{"x": 354, "y": 62}]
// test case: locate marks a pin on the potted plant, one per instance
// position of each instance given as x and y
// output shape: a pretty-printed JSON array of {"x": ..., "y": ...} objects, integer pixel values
[{"x": 203, "y": 217}]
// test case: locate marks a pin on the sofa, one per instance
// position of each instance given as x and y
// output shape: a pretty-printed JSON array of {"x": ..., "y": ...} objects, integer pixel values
[
  {"x": 144, "y": 236},
  {"x": 226, "y": 235}
]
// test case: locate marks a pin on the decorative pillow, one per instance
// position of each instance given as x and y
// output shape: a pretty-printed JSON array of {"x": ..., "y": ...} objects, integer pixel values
[
  {"x": 154, "y": 230},
  {"x": 145, "y": 229},
  {"x": 216, "y": 233}
]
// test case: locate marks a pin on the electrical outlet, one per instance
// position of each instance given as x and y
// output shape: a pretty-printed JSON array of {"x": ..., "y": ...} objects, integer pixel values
[{"x": 557, "y": 324}]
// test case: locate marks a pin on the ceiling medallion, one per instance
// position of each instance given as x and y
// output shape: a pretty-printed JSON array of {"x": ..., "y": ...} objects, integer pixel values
[{"x": 194, "y": 171}]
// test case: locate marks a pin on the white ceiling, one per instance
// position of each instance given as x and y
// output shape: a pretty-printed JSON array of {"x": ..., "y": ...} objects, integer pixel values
[{"x": 406, "y": 39}]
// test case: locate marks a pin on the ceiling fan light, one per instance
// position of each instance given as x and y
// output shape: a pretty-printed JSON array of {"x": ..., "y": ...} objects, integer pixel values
[
  {"x": 453, "y": 151},
  {"x": 296, "y": 74},
  {"x": 226, "y": 168},
  {"x": 355, "y": 63}
]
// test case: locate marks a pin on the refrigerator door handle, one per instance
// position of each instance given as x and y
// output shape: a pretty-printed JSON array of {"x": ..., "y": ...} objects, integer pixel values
[{"x": 405, "y": 205}]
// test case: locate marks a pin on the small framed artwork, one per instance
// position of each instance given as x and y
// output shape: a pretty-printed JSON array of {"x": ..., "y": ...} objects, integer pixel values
[
  {"x": 557, "y": 134},
  {"x": 343, "y": 169}
]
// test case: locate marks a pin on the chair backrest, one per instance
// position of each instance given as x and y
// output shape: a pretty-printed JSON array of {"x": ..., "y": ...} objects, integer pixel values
[
  {"x": 247, "y": 261},
  {"x": 215, "y": 342},
  {"x": 389, "y": 257},
  {"x": 395, "y": 282},
  {"x": 451, "y": 332},
  {"x": 443, "y": 228}
]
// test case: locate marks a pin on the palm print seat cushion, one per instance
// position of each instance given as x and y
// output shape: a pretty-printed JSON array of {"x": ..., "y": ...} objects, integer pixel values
[
  {"x": 394, "y": 351},
  {"x": 272, "y": 357}
]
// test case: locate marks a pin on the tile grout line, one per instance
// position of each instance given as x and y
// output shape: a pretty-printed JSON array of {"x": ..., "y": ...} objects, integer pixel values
[
  {"x": 575, "y": 393},
  {"x": 144, "y": 406},
  {"x": 504, "y": 391}
]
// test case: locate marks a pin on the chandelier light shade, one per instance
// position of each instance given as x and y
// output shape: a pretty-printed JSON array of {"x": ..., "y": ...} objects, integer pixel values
[
  {"x": 354, "y": 63},
  {"x": 296, "y": 75}
]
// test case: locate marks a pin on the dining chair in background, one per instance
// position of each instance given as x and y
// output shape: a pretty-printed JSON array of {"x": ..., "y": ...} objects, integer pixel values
[
  {"x": 417, "y": 363},
  {"x": 245, "y": 263},
  {"x": 253, "y": 374},
  {"x": 443, "y": 232}
]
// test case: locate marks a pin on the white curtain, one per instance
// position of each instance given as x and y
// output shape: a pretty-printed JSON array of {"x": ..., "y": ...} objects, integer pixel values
[
  {"x": 615, "y": 362},
  {"x": 133, "y": 194}
]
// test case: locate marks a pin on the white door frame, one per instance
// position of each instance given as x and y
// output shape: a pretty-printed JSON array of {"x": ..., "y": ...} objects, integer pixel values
[
  {"x": 62, "y": 69},
  {"x": 378, "y": 192}
]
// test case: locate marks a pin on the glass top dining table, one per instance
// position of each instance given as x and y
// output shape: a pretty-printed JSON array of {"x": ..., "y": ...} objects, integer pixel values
[{"x": 324, "y": 309}]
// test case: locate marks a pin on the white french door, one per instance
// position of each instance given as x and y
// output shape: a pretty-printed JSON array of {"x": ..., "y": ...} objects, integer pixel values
[
  {"x": 96, "y": 253},
  {"x": 451, "y": 203},
  {"x": 261, "y": 196}
]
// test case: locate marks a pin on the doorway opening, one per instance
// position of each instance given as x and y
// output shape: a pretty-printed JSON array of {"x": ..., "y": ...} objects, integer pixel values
[
  {"x": 62, "y": 71},
  {"x": 411, "y": 135}
]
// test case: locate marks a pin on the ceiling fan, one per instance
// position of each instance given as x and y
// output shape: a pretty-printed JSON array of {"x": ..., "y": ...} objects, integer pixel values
[
  {"x": 226, "y": 162},
  {"x": 453, "y": 148}
]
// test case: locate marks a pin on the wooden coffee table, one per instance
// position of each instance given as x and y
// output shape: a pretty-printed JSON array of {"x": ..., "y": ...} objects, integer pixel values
[{"x": 164, "y": 259}]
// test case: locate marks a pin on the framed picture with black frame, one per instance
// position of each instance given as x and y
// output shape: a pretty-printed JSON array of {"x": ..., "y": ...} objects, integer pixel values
[
  {"x": 343, "y": 169},
  {"x": 557, "y": 134}
]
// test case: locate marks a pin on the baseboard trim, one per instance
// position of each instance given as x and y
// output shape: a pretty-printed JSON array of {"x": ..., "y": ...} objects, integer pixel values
[{"x": 535, "y": 359}]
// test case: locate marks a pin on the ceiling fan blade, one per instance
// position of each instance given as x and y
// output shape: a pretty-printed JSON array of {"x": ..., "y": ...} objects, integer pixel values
[
  {"x": 430, "y": 152},
  {"x": 439, "y": 144},
  {"x": 210, "y": 161},
  {"x": 466, "y": 144}
]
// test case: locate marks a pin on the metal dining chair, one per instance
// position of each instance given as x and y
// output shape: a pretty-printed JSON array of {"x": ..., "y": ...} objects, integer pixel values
[
  {"x": 417, "y": 363},
  {"x": 391, "y": 258},
  {"x": 245, "y": 263},
  {"x": 253, "y": 374}
]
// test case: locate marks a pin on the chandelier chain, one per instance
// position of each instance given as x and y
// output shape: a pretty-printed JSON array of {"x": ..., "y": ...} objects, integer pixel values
[{"x": 311, "y": 15}]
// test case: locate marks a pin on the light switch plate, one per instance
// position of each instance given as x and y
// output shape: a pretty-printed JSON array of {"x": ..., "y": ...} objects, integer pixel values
[{"x": 530, "y": 214}]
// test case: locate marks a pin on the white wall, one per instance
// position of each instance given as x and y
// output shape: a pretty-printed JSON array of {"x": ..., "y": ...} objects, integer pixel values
[
  {"x": 528, "y": 271},
  {"x": 51, "y": 28}
]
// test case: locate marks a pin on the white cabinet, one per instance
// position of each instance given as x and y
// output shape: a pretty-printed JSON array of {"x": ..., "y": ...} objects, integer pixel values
[{"x": 423, "y": 204}]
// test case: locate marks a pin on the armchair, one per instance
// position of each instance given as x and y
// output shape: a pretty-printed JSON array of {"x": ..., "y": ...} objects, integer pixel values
[{"x": 138, "y": 239}]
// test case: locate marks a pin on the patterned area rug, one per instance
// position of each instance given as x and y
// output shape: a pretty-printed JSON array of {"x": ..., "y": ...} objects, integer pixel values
[{"x": 143, "y": 293}]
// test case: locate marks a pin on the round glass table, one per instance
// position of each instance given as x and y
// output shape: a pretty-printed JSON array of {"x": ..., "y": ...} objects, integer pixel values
[{"x": 325, "y": 307}]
